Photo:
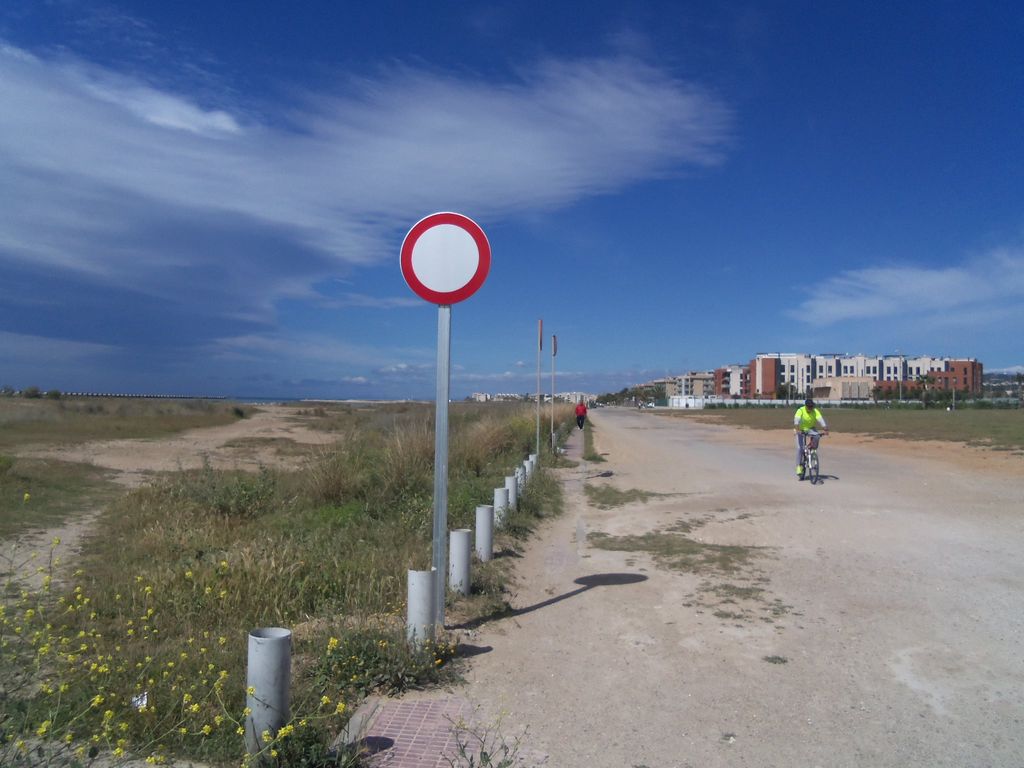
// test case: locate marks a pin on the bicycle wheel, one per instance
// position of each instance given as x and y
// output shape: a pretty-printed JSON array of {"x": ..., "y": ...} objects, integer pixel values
[{"x": 812, "y": 467}]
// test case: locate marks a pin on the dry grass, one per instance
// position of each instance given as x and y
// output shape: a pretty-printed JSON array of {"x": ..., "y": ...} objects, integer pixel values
[
  {"x": 81, "y": 420},
  {"x": 998, "y": 429},
  {"x": 178, "y": 573}
]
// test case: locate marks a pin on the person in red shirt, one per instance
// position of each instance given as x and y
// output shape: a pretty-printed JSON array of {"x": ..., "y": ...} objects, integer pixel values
[{"x": 581, "y": 414}]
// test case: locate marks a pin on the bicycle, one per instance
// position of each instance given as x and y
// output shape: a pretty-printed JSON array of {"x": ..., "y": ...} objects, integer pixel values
[{"x": 810, "y": 463}]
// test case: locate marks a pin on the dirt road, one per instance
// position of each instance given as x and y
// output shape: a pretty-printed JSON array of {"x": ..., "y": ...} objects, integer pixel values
[
  {"x": 875, "y": 619},
  {"x": 246, "y": 444}
]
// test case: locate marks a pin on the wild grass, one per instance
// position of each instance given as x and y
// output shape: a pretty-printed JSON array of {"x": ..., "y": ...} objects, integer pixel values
[
  {"x": 589, "y": 452},
  {"x": 678, "y": 552},
  {"x": 72, "y": 420},
  {"x": 606, "y": 496},
  {"x": 40, "y": 493},
  {"x": 165, "y": 592},
  {"x": 999, "y": 429}
]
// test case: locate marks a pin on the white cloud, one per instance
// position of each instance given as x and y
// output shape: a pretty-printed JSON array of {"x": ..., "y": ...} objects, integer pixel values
[
  {"x": 303, "y": 352},
  {"x": 978, "y": 292},
  {"x": 354, "y": 163},
  {"x": 162, "y": 109}
]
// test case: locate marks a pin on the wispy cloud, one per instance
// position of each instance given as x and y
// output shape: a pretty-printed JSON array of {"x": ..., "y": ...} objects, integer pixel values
[
  {"x": 215, "y": 208},
  {"x": 977, "y": 292}
]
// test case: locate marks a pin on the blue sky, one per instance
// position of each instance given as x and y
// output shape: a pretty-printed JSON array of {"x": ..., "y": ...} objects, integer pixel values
[{"x": 210, "y": 198}]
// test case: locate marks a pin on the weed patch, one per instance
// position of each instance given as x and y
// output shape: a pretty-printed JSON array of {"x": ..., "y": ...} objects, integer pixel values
[
  {"x": 39, "y": 493},
  {"x": 589, "y": 452},
  {"x": 607, "y": 496}
]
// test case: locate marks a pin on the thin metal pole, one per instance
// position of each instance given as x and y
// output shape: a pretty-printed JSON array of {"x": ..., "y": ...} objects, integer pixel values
[
  {"x": 444, "y": 343},
  {"x": 552, "y": 438},
  {"x": 540, "y": 344}
]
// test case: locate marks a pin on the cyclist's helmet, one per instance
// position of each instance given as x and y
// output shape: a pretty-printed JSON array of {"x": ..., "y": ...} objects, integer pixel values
[{"x": 809, "y": 403}]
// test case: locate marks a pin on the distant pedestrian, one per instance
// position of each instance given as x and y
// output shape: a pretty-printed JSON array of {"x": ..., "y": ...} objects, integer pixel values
[{"x": 581, "y": 414}]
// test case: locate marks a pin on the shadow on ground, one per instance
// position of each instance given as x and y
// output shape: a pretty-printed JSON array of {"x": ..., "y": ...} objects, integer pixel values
[{"x": 586, "y": 583}]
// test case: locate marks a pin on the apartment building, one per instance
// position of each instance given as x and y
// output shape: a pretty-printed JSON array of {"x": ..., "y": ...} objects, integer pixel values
[
  {"x": 732, "y": 381},
  {"x": 841, "y": 376},
  {"x": 691, "y": 384}
]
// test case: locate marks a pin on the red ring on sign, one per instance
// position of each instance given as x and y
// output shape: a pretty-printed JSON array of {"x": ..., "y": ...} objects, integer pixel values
[{"x": 483, "y": 252}]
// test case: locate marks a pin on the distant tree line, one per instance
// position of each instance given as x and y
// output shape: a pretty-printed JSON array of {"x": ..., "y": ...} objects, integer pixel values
[{"x": 30, "y": 393}]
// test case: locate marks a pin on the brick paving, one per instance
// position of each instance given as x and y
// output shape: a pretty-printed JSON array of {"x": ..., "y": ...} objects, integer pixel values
[{"x": 415, "y": 734}]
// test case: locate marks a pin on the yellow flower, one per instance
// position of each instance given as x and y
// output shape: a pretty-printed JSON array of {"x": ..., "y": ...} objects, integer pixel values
[
  {"x": 183, "y": 731},
  {"x": 340, "y": 708},
  {"x": 43, "y": 728},
  {"x": 251, "y": 690},
  {"x": 207, "y": 730},
  {"x": 266, "y": 736},
  {"x": 325, "y": 700},
  {"x": 332, "y": 644}
]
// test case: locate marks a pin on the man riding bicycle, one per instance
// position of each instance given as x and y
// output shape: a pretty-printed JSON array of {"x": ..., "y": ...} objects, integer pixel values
[{"x": 806, "y": 418}]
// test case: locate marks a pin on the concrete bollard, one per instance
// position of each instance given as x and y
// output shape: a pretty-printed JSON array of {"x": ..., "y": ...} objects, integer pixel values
[
  {"x": 269, "y": 677},
  {"x": 419, "y": 622},
  {"x": 526, "y": 471},
  {"x": 459, "y": 549},
  {"x": 484, "y": 532},
  {"x": 500, "y": 506},
  {"x": 512, "y": 486}
]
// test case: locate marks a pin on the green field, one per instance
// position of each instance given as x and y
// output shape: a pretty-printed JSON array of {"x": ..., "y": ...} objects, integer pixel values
[{"x": 997, "y": 429}]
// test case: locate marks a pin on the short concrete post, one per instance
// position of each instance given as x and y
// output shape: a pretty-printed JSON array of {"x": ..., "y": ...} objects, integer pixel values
[
  {"x": 459, "y": 550},
  {"x": 269, "y": 678},
  {"x": 526, "y": 471},
  {"x": 512, "y": 486},
  {"x": 419, "y": 622},
  {"x": 484, "y": 532},
  {"x": 500, "y": 506}
]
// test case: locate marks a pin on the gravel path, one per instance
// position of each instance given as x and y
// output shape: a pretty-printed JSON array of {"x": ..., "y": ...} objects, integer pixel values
[{"x": 872, "y": 620}]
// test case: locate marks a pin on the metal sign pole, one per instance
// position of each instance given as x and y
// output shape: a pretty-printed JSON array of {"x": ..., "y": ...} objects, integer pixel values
[
  {"x": 444, "y": 344},
  {"x": 554, "y": 351},
  {"x": 540, "y": 346}
]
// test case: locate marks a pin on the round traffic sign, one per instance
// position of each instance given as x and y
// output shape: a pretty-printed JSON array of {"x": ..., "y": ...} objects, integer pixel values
[{"x": 445, "y": 258}]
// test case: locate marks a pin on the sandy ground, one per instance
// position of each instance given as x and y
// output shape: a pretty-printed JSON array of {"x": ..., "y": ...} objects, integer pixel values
[
  {"x": 246, "y": 444},
  {"x": 888, "y": 632}
]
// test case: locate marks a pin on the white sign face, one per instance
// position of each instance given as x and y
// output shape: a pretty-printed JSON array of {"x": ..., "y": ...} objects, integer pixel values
[{"x": 445, "y": 258}]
